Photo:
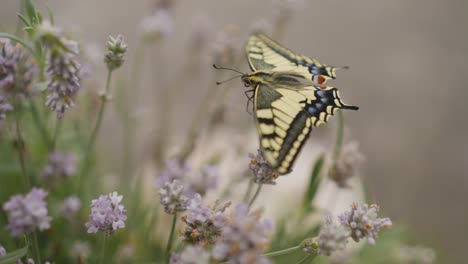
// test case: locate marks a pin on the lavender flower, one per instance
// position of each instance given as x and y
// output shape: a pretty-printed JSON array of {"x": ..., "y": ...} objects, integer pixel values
[
  {"x": 63, "y": 76},
  {"x": 4, "y": 107},
  {"x": 70, "y": 207},
  {"x": 116, "y": 48},
  {"x": 224, "y": 47},
  {"x": 204, "y": 180},
  {"x": 80, "y": 250},
  {"x": 60, "y": 165},
  {"x": 332, "y": 237},
  {"x": 172, "y": 197},
  {"x": 363, "y": 222},
  {"x": 204, "y": 224},
  {"x": 346, "y": 166},
  {"x": 107, "y": 214},
  {"x": 25, "y": 213},
  {"x": 191, "y": 255},
  {"x": 16, "y": 71},
  {"x": 175, "y": 169},
  {"x": 9, "y": 57},
  {"x": 2, "y": 251},
  {"x": 262, "y": 172},
  {"x": 244, "y": 239},
  {"x": 159, "y": 25}
]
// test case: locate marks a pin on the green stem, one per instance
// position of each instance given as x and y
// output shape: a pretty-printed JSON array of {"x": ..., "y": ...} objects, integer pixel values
[
  {"x": 103, "y": 250},
  {"x": 39, "y": 124},
  {"x": 307, "y": 258},
  {"x": 248, "y": 191},
  {"x": 35, "y": 248},
  {"x": 282, "y": 252},
  {"x": 259, "y": 187},
  {"x": 104, "y": 99},
  {"x": 171, "y": 237},
  {"x": 339, "y": 137},
  {"x": 92, "y": 139},
  {"x": 22, "y": 42},
  {"x": 53, "y": 142},
  {"x": 21, "y": 149}
]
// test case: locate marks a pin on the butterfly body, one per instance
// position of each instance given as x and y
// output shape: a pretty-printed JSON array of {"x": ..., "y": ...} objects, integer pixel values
[{"x": 288, "y": 101}]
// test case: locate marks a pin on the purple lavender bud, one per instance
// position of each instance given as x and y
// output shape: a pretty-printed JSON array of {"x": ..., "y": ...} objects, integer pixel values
[
  {"x": 204, "y": 224},
  {"x": 244, "y": 239},
  {"x": 346, "y": 166},
  {"x": 60, "y": 165},
  {"x": 63, "y": 76},
  {"x": 191, "y": 255},
  {"x": 25, "y": 213},
  {"x": 70, "y": 207},
  {"x": 172, "y": 197},
  {"x": 261, "y": 170},
  {"x": 116, "y": 48},
  {"x": 4, "y": 107},
  {"x": 332, "y": 237},
  {"x": 107, "y": 214},
  {"x": 175, "y": 169},
  {"x": 204, "y": 180},
  {"x": 363, "y": 222}
]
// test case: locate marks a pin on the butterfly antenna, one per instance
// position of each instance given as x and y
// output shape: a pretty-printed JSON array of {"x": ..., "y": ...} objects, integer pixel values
[
  {"x": 219, "y": 83},
  {"x": 224, "y": 68}
]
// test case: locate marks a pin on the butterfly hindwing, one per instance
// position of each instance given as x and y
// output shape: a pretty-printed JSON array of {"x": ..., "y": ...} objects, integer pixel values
[
  {"x": 285, "y": 116},
  {"x": 265, "y": 54}
]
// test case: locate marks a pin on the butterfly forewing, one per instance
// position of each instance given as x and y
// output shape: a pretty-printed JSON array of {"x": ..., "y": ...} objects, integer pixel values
[{"x": 265, "y": 54}]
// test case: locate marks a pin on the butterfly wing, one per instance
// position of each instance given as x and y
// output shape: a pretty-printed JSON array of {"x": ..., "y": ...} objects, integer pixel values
[
  {"x": 264, "y": 53},
  {"x": 285, "y": 116}
]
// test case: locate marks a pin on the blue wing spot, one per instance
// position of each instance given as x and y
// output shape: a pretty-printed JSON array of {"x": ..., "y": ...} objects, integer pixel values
[{"x": 311, "y": 110}]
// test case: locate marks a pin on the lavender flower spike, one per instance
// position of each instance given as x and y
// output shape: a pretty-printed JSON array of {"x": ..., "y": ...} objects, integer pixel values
[
  {"x": 363, "y": 222},
  {"x": 245, "y": 239},
  {"x": 107, "y": 214},
  {"x": 262, "y": 172},
  {"x": 332, "y": 237},
  {"x": 70, "y": 207},
  {"x": 26, "y": 213},
  {"x": 60, "y": 165},
  {"x": 116, "y": 48},
  {"x": 191, "y": 255},
  {"x": 172, "y": 198}
]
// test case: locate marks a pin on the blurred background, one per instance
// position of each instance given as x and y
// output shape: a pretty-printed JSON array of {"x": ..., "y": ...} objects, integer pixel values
[{"x": 407, "y": 74}]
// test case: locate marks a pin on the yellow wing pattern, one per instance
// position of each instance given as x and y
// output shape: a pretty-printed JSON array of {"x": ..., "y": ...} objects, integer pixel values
[
  {"x": 264, "y": 53},
  {"x": 285, "y": 117}
]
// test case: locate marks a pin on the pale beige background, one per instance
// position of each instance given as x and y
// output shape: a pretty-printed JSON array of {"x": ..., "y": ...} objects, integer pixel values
[{"x": 409, "y": 67}]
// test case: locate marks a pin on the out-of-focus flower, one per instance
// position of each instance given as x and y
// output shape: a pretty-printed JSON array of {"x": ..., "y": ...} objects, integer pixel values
[
  {"x": 223, "y": 50},
  {"x": 345, "y": 167},
  {"x": 204, "y": 180},
  {"x": 363, "y": 222},
  {"x": 200, "y": 33},
  {"x": 63, "y": 76},
  {"x": 4, "y": 107},
  {"x": 172, "y": 197},
  {"x": 286, "y": 8},
  {"x": 60, "y": 165},
  {"x": 107, "y": 214},
  {"x": 70, "y": 207},
  {"x": 191, "y": 255},
  {"x": 415, "y": 254},
  {"x": 175, "y": 169},
  {"x": 244, "y": 239},
  {"x": 16, "y": 71},
  {"x": 80, "y": 250},
  {"x": 116, "y": 48},
  {"x": 204, "y": 224},
  {"x": 2, "y": 251},
  {"x": 332, "y": 237},
  {"x": 261, "y": 171},
  {"x": 159, "y": 25},
  {"x": 48, "y": 33},
  {"x": 26, "y": 213},
  {"x": 261, "y": 25},
  {"x": 126, "y": 253}
]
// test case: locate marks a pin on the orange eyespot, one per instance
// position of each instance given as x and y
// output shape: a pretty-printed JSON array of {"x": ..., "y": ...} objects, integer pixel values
[{"x": 320, "y": 79}]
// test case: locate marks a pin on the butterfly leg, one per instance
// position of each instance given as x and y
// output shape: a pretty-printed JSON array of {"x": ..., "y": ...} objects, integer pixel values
[{"x": 250, "y": 94}]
